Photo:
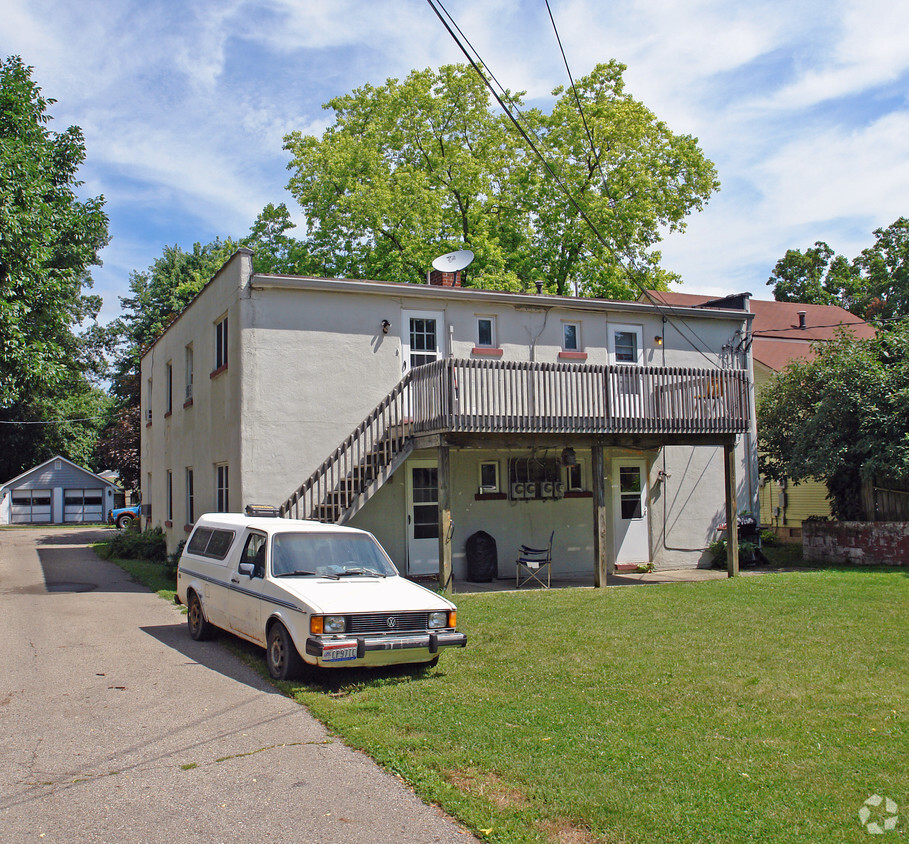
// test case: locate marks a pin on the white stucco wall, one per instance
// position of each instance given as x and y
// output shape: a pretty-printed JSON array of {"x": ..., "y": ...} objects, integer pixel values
[{"x": 308, "y": 360}]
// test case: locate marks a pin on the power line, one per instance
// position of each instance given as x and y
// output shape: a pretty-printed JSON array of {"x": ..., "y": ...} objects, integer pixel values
[
  {"x": 668, "y": 315},
  {"x": 54, "y": 421}
]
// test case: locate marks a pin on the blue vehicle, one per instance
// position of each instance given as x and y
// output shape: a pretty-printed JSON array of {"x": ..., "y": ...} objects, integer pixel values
[{"x": 123, "y": 517}]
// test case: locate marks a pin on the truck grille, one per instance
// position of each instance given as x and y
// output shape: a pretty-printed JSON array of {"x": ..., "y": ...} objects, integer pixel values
[{"x": 387, "y": 622}]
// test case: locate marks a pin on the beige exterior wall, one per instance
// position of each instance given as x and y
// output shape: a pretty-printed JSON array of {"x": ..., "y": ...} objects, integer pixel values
[
  {"x": 784, "y": 509},
  {"x": 308, "y": 360}
]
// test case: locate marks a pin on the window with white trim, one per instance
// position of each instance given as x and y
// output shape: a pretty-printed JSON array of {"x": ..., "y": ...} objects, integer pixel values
[
  {"x": 169, "y": 387},
  {"x": 489, "y": 476},
  {"x": 170, "y": 495},
  {"x": 188, "y": 357},
  {"x": 571, "y": 336},
  {"x": 486, "y": 332},
  {"x": 221, "y": 342},
  {"x": 222, "y": 488},
  {"x": 190, "y": 497}
]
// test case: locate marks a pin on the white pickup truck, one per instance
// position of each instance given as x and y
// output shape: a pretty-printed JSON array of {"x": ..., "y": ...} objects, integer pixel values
[{"x": 309, "y": 593}]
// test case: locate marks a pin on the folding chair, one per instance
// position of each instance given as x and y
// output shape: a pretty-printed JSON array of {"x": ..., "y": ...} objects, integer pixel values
[{"x": 533, "y": 564}]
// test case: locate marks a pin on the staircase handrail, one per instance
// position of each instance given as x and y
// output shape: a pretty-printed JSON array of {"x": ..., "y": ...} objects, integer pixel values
[{"x": 330, "y": 470}]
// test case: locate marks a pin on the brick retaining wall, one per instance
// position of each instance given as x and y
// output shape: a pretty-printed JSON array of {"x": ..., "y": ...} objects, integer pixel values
[{"x": 857, "y": 543}]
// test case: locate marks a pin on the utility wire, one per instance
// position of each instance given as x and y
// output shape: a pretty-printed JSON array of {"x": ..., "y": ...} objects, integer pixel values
[
  {"x": 596, "y": 154},
  {"x": 53, "y": 421},
  {"x": 668, "y": 314}
]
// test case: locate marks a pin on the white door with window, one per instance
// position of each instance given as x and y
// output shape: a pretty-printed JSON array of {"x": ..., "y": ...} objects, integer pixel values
[
  {"x": 422, "y": 517},
  {"x": 421, "y": 338},
  {"x": 625, "y": 344},
  {"x": 632, "y": 526}
]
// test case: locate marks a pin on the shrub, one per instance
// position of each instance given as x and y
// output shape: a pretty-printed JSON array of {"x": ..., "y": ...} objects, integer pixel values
[{"x": 132, "y": 545}]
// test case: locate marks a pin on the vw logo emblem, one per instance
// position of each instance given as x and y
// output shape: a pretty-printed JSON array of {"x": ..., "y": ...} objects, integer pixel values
[{"x": 391, "y": 621}]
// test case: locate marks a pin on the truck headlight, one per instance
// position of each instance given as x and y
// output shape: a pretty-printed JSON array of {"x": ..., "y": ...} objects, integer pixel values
[
  {"x": 319, "y": 624},
  {"x": 334, "y": 624},
  {"x": 438, "y": 619}
]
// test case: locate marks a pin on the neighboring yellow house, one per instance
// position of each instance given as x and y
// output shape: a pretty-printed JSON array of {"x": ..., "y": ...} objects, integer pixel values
[{"x": 782, "y": 332}]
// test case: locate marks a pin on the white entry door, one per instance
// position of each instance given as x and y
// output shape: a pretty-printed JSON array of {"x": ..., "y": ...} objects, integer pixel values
[
  {"x": 625, "y": 344},
  {"x": 421, "y": 338},
  {"x": 632, "y": 526},
  {"x": 422, "y": 517}
]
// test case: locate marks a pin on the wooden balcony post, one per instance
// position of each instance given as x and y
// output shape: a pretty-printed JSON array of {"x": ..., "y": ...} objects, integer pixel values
[
  {"x": 603, "y": 559},
  {"x": 732, "y": 524},
  {"x": 445, "y": 527}
]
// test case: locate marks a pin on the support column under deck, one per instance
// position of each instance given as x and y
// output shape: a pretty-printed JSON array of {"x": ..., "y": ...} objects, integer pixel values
[
  {"x": 445, "y": 527},
  {"x": 732, "y": 524},
  {"x": 604, "y": 557}
]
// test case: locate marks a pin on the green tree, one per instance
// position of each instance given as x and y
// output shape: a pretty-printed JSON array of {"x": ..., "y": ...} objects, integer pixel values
[
  {"x": 48, "y": 240},
  {"x": 816, "y": 276},
  {"x": 885, "y": 269},
  {"x": 874, "y": 285},
  {"x": 841, "y": 417},
  {"x": 415, "y": 168}
]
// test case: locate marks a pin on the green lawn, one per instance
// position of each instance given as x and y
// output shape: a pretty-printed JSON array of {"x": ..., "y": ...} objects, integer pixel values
[{"x": 764, "y": 708}]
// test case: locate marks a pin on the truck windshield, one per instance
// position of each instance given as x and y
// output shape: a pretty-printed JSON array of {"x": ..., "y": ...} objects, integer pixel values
[{"x": 329, "y": 555}]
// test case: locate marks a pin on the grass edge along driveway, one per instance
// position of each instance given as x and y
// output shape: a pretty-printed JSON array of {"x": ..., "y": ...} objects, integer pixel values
[{"x": 754, "y": 709}]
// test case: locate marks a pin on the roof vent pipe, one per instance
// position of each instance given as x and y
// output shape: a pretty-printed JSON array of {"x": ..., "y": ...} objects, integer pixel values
[
  {"x": 802, "y": 315},
  {"x": 539, "y": 285}
]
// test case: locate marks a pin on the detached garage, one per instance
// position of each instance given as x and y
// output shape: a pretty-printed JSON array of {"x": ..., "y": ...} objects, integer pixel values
[{"x": 56, "y": 492}]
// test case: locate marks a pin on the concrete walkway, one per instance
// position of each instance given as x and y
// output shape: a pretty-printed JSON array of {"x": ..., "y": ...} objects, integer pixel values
[
  {"x": 619, "y": 579},
  {"x": 115, "y": 726}
]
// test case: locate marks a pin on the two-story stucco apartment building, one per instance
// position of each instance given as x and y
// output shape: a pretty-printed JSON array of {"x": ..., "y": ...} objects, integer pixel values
[{"x": 425, "y": 413}]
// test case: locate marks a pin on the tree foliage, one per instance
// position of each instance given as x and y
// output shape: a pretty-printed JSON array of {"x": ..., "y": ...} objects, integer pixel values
[
  {"x": 412, "y": 169},
  {"x": 841, "y": 417},
  {"x": 48, "y": 240},
  {"x": 874, "y": 285}
]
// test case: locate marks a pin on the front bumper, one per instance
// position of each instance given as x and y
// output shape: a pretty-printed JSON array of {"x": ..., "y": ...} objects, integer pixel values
[{"x": 430, "y": 642}]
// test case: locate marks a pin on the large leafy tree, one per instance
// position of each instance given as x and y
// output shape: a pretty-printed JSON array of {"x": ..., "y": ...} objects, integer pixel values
[
  {"x": 424, "y": 165},
  {"x": 841, "y": 417},
  {"x": 874, "y": 285},
  {"x": 48, "y": 240},
  {"x": 51, "y": 348}
]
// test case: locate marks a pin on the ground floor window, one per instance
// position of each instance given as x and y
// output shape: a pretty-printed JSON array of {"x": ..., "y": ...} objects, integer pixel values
[
  {"x": 222, "y": 486},
  {"x": 190, "y": 497}
]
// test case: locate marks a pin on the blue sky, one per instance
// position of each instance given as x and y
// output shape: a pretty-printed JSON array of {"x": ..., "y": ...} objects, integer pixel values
[{"x": 801, "y": 105}]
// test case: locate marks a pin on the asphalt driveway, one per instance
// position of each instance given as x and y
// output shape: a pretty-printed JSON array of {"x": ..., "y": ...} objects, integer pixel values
[{"x": 116, "y": 727}]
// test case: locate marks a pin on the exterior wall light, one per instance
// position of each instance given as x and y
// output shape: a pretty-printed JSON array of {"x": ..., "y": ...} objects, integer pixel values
[
  {"x": 658, "y": 340},
  {"x": 569, "y": 458},
  {"x": 385, "y": 326}
]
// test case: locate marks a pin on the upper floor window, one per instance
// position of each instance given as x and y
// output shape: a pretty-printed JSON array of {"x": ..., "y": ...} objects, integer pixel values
[
  {"x": 571, "y": 336},
  {"x": 486, "y": 332},
  {"x": 625, "y": 344},
  {"x": 221, "y": 343},
  {"x": 188, "y": 358},
  {"x": 148, "y": 401},
  {"x": 169, "y": 388}
]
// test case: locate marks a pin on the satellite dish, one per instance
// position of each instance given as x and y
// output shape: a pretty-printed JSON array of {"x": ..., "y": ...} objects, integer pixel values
[{"x": 451, "y": 262}]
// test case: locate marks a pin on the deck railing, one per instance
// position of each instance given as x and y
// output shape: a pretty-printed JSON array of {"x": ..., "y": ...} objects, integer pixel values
[{"x": 479, "y": 396}]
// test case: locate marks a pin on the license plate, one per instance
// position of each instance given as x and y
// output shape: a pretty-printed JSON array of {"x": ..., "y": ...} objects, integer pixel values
[{"x": 336, "y": 653}]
